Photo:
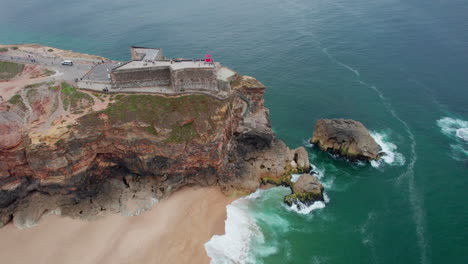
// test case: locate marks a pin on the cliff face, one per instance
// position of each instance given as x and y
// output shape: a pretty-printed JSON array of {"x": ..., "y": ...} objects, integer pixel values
[{"x": 82, "y": 154}]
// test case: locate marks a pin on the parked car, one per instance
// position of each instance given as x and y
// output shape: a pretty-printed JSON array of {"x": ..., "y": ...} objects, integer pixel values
[{"x": 67, "y": 62}]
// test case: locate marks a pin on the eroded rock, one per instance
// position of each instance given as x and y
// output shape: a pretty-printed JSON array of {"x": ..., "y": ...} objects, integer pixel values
[
  {"x": 345, "y": 137},
  {"x": 307, "y": 189}
]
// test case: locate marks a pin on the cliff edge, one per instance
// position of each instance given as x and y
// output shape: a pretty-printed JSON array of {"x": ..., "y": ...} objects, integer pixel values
[{"x": 82, "y": 154}]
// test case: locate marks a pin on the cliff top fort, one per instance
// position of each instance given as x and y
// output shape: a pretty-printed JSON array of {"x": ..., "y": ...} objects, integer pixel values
[{"x": 150, "y": 71}]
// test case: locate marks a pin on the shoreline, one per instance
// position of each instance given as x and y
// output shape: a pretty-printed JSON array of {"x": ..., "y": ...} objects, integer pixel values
[{"x": 172, "y": 231}]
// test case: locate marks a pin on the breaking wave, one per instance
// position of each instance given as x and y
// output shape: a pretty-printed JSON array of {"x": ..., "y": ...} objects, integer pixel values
[
  {"x": 391, "y": 157},
  {"x": 302, "y": 208},
  {"x": 456, "y": 129},
  {"x": 243, "y": 241},
  {"x": 241, "y": 232},
  {"x": 453, "y": 127}
]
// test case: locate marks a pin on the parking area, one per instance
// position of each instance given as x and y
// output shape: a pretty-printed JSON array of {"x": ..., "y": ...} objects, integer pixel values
[{"x": 100, "y": 72}]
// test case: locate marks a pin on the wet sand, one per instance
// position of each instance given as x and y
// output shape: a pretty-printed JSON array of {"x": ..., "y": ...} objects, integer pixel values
[{"x": 173, "y": 231}]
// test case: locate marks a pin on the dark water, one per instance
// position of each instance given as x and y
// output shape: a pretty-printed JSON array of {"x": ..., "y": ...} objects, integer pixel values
[{"x": 400, "y": 67}]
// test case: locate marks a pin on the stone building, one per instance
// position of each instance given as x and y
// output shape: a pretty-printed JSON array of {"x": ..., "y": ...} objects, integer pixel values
[{"x": 149, "y": 68}]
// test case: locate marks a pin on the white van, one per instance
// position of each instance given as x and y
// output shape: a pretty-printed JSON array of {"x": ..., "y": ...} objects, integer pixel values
[{"x": 67, "y": 62}]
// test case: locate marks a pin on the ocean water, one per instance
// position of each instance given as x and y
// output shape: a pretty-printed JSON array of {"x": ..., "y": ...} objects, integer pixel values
[{"x": 399, "y": 67}]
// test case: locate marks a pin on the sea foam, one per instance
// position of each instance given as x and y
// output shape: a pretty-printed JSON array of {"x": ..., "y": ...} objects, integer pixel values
[
  {"x": 241, "y": 231},
  {"x": 453, "y": 127},
  {"x": 391, "y": 157},
  {"x": 456, "y": 129},
  {"x": 304, "y": 209}
]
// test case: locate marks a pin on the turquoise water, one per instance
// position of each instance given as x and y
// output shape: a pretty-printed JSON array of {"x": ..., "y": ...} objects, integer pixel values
[{"x": 400, "y": 67}]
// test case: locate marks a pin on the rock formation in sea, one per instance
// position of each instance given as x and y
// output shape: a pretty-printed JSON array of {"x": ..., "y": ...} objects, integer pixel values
[
  {"x": 82, "y": 154},
  {"x": 348, "y": 138},
  {"x": 307, "y": 189}
]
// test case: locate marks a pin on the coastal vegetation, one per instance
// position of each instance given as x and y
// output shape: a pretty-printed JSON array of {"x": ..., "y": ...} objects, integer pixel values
[
  {"x": 9, "y": 70},
  {"x": 182, "y": 133},
  {"x": 18, "y": 101},
  {"x": 181, "y": 116},
  {"x": 283, "y": 180},
  {"x": 48, "y": 72},
  {"x": 74, "y": 100}
]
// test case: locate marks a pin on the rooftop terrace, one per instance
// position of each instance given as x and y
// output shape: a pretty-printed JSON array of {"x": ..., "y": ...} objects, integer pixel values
[
  {"x": 148, "y": 54},
  {"x": 173, "y": 64}
]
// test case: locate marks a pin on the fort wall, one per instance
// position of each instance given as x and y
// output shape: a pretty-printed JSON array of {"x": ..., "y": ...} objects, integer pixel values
[
  {"x": 195, "y": 79},
  {"x": 144, "y": 77}
]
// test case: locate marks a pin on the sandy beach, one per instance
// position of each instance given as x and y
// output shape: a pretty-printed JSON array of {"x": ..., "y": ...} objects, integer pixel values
[{"x": 173, "y": 231}]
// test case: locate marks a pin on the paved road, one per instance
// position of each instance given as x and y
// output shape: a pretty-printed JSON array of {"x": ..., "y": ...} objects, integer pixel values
[
  {"x": 100, "y": 72},
  {"x": 69, "y": 73}
]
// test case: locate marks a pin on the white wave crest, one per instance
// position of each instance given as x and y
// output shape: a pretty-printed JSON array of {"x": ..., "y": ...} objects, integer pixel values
[
  {"x": 304, "y": 209},
  {"x": 240, "y": 232},
  {"x": 462, "y": 133},
  {"x": 454, "y": 127},
  {"x": 391, "y": 157},
  {"x": 301, "y": 208}
]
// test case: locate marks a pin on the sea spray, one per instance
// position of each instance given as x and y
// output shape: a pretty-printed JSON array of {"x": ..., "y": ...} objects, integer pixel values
[{"x": 391, "y": 157}]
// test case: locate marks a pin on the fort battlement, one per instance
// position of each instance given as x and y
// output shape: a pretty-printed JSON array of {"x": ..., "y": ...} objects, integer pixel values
[{"x": 150, "y": 69}]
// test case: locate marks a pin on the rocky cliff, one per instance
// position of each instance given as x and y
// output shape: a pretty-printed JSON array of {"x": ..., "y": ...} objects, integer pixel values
[{"x": 82, "y": 154}]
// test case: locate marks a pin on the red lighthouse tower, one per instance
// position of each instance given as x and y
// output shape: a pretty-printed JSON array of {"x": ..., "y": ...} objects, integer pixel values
[{"x": 208, "y": 58}]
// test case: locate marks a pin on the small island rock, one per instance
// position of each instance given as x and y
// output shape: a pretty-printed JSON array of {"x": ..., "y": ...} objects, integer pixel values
[
  {"x": 307, "y": 189},
  {"x": 346, "y": 137}
]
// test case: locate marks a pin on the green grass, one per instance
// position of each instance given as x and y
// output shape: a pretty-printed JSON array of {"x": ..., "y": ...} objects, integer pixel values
[
  {"x": 48, "y": 72},
  {"x": 182, "y": 133},
  {"x": 54, "y": 88},
  {"x": 119, "y": 96},
  {"x": 160, "y": 112},
  {"x": 99, "y": 96},
  {"x": 3, "y": 49},
  {"x": 149, "y": 108},
  {"x": 31, "y": 93},
  {"x": 9, "y": 70},
  {"x": 74, "y": 99},
  {"x": 17, "y": 100},
  {"x": 35, "y": 85},
  {"x": 151, "y": 130}
]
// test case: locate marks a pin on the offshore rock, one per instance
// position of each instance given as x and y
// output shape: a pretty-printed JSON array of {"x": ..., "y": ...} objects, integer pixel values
[
  {"x": 345, "y": 137},
  {"x": 307, "y": 189}
]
